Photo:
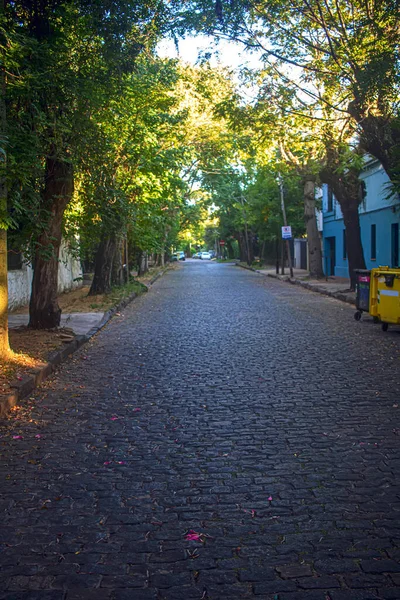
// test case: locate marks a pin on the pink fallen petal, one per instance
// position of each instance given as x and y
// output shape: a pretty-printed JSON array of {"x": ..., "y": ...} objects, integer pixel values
[
  {"x": 17, "y": 437},
  {"x": 192, "y": 536},
  {"x": 270, "y": 498},
  {"x": 38, "y": 436},
  {"x": 114, "y": 418},
  {"x": 121, "y": 462},
  {"x": 136, "y": 409},
  {"x": 108, "y": 462}
]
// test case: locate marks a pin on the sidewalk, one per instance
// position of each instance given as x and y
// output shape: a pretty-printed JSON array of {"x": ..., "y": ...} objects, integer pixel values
[
  {"x": 80, "y": 323},
  {"x": 336, "y": 287}
]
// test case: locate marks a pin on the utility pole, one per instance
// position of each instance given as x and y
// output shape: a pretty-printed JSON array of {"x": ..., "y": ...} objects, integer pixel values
[{"x": 285, "y": 224}]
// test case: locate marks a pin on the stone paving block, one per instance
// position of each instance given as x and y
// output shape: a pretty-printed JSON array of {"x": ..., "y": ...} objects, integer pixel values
[
  {"x": 380, "y": 566},
  {"x": 309, "y": 595},
  {"x": 33, "y": 582},
  {"x": 354, "y": 595},
  {"x": 274, "y": 587},
  {"x": 325, "y": 582},
  {"x": 168, "y": 580},
  {"x": 33, "y": 595},
  {"x": 133, "y": 580},
  {"x": 85, "y": 594},
  {"x": 259, "y": 575},
  {"x": 179, "y": 593},
  {"x": 76, "y": 580},
  {"x": 367, "y": 581},
  {"x": 294, "y": 571},
  {"x": 129, "y": 594},
  {"x": 217, "y": 576},
  {"x": 333, "y": 566},
  {"x": 389, "y": 593}
]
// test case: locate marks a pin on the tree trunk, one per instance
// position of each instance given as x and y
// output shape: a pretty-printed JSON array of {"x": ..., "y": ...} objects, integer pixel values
[
  {"x": 161, "y": 259},
  {"x": 4, "y": 344},
  {"x": 117, "y": 273},
  {"x": 126, "y": 272},
  {"x": 229, "y": 248},
  {"x": 103, "y": 264},
  {"x": 44, "y": 312},
  {"x": 355, "y": 253},
  {"x": 313, "y": 239},
  {"x": 348, "y": 192},
  {"x": 142, "y": 263},
  {"x": 262, "y": 252},
  {"x": 242, "y": 247}
]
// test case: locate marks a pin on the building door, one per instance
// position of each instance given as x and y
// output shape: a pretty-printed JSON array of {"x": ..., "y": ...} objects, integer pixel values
[
  {"x": 330, "y": 256},
  {"x": 395, "y": 245},
  {"x": 303, "y": 254}
]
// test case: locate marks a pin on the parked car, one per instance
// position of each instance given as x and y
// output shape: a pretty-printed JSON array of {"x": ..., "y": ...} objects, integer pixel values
[
  {"x": 197, "y": 255},
  {"x": 205, "y": 256},
  {"x": 180, "y": 255}
]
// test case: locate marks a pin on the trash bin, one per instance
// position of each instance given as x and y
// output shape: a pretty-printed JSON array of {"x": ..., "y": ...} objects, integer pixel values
[
  {"x": 363, "y": 279},
  {"x": 385, "y": 295}
]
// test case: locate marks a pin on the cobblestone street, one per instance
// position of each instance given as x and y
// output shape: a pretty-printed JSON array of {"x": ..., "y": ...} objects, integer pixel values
[{"x": 226, "y": 436}]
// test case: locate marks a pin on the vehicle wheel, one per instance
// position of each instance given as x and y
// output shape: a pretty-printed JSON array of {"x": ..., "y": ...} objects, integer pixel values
[
  {"x": 385, "y": 326},
  {"x": 357, "y": 315}
]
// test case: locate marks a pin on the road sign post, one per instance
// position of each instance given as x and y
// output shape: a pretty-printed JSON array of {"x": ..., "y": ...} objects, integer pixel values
[{"x": 287, "y": 234}]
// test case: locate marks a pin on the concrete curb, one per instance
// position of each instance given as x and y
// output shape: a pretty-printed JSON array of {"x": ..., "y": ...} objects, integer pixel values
[
  {"x": 24, "y": 386},
  {"x": 313, "y": 288}
]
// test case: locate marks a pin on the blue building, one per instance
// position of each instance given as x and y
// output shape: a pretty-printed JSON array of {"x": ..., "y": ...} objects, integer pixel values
[{"x": 379, "y": 223}]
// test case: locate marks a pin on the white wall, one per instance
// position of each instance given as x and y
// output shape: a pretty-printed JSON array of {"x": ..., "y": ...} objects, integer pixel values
[
  {"x": 68, "y": 269},
  {"x": 20, "y": 281},
  {"x": 19, "y": 287}
]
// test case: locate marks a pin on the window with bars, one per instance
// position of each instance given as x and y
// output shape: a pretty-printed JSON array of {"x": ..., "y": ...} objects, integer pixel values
[
  {"x": 373, "y": 242},
  {"x": 330, "y": 200}
]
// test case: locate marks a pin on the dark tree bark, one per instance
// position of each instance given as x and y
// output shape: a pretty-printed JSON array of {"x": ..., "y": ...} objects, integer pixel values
[
  {"x": 380, "y": 137},
  {"x": 4, "y": 344},
  {"x": 44, "y": 312},
  {"x": 245, "y": 247},
  {"x": 101, "y": 283},
  {"x": 348, "y": 191},
  {"x": 229, "y": 248},
  {"x": 242, "y": 247},
  {"x": 262, "y": 252},
  {"x": 313, "y": 239},
  {"x": 117, "y": 273}
]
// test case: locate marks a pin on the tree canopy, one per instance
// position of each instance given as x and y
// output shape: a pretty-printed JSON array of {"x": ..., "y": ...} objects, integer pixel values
[{"x": 128, "y": 155}]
